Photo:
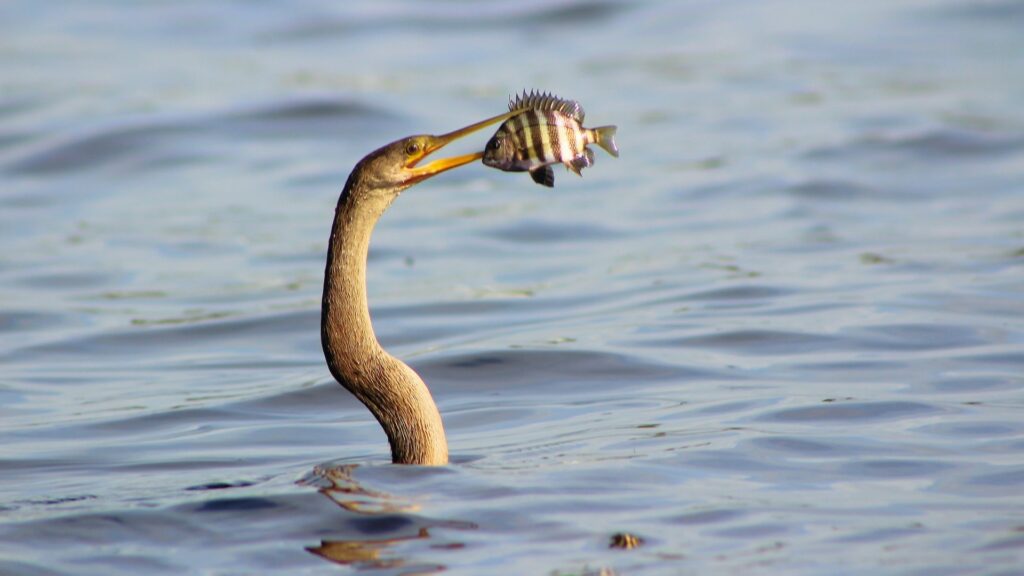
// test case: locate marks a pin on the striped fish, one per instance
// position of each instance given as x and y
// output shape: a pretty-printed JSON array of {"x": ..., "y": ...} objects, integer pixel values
[{"x": 548, "y": 131}]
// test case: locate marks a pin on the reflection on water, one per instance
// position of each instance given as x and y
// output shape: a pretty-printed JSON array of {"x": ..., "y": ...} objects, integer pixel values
[
  {"x": 337, "y": 483},
  {"x": 781, "y": 334},
  {"x": 384, "y": 513},
  {"x": 366, "y": 554}
]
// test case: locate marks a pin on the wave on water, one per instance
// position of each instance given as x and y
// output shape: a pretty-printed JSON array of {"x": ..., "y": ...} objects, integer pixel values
[{"x": 143, "y": 143}]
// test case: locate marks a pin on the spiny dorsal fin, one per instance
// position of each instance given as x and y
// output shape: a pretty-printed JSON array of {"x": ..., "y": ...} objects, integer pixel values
[{"x": 546, "y": 101}]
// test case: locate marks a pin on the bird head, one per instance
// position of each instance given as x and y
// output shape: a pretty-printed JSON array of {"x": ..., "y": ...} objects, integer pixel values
[{"x": 398, "y": 165}]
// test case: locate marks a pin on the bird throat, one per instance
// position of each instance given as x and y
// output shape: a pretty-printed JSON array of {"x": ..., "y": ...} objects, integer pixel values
[{"x": 393, "y": 392}]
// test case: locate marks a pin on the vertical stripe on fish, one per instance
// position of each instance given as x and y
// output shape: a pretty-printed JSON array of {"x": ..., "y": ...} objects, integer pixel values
[
  {"x": 562, "y": 130},
  {"x": 539, "y": 153},
  {"x": 544, "y": 127}
]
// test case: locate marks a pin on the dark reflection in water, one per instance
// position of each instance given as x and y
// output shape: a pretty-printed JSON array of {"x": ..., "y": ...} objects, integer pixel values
[
  {"x": 380, "y": 514},
  {"x": 367, "y": 554}
]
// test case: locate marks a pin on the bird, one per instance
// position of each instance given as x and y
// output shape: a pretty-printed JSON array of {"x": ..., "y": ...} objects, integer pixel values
[{"x": 392, "y": 391}]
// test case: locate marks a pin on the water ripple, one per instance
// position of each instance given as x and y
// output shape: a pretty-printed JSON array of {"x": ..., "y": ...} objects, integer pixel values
[
  {"x": 143, "y": 143},
  {"x": 949, "y": 144},
  {"x": 532, "y": 14},
  {"x": 523, "y": 371},
  {"x": 845, "y": 412}
]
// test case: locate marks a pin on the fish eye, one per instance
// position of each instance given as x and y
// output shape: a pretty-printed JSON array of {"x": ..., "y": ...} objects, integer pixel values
[
  {"x": 494, "y": 144},
  {"x": 412, "y": 148}
]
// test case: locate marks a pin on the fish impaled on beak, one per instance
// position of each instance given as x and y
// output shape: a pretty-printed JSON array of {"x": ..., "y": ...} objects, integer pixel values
[{"x": 417, "y": 148}]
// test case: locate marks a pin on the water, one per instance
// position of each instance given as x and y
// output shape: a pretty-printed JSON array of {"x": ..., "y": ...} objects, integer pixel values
[{"x": 781, "y": 334}]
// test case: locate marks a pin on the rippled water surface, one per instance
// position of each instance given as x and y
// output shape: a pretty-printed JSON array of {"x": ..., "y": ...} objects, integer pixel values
[{"x": 782, "y": 334}]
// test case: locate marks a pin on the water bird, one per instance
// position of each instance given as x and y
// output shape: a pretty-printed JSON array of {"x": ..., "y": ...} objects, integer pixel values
[
  {"x": 393, "y": 392},
  {"x": 546, "y": 130}
]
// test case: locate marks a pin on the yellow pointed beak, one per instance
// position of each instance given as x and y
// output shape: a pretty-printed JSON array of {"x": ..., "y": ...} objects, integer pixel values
[{"x": 435, "y": 143}]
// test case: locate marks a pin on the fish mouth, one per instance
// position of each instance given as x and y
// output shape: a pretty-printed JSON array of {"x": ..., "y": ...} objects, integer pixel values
[{"x": 430, "y": 144}]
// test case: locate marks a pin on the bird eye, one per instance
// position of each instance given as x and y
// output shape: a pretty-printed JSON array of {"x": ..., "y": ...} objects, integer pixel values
[{"x": 412, "y": 148}]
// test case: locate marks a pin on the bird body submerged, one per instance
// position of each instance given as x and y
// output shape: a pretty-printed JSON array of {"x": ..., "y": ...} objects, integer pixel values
[
  {"x": 547, "y": 130},
  {"x": 392, "y": 391}
]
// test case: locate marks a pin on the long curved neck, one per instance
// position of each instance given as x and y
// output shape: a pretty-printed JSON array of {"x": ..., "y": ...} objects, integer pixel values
[{"x": 392, "y": 391}]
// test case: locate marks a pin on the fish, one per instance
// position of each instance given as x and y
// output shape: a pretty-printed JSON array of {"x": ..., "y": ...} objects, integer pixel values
[{"x": 548, "y": 130}]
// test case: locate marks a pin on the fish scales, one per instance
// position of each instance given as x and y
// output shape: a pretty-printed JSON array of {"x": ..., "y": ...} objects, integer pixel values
[
  {"x": 538, "y": 127},
  {"x": 533, "y": 133},
  {"x": 536, "y": 132},
  {"x": 546, "y": 131}
]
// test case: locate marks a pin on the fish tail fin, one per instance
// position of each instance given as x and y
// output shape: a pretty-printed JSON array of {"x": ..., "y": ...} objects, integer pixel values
[{"x": 605, "y": 138}]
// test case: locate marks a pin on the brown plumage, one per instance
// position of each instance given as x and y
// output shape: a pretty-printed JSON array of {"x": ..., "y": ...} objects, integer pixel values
[{"x": 393, "y": 392}]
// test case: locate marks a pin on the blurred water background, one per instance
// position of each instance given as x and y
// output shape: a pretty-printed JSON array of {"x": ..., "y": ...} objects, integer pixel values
[{"x": 782, "y": 334}]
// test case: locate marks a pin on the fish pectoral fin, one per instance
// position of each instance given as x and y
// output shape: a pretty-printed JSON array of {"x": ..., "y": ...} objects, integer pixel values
[
  {"x": 578, "y": 163},
  {"x": 544, "y": 176}
]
